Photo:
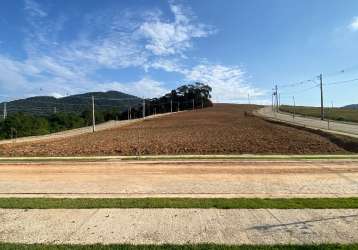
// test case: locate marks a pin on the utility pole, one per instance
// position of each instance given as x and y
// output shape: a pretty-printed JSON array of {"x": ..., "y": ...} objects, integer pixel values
[
  {"x": 276, "y": 94},
  {"x": 321, "y": 87},
  {"x": 178, "y": 106},
  {"x": 331, "y": 112},
  {"x": 202, "y": 103},
  {"x": 193, "y": 104},
  {"x": 279, "y": 101},
  {"x": 294, "y": 107},
  {"x": 93, "y": 116},
  {"x": 272, "y": 105},
  {"x": 143, "y": 107},
  {"x": 171, "y": 106},
  {"x": 5, "y": 111}
]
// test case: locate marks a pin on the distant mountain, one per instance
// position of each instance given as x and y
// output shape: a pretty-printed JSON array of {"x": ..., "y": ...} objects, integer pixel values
[
  {"x": 352, "y": 106},
  {"x": 46, "y": 105}
]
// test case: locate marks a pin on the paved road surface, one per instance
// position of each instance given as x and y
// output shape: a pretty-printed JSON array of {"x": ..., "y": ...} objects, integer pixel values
[
  {"x": 349, "y": 129},
  {"x": 228, "y": 178},
  {"x": 180, "y": 226},
  {"x": 79, "y": 131}
]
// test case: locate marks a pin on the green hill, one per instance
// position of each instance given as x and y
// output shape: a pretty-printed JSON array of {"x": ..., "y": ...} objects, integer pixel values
[
  {"x": 47, "y": 105},
  {"x": 352, "y": 106}
]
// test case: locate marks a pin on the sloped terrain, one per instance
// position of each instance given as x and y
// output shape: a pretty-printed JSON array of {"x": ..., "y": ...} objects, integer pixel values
[
  {"x": 223, "y": 129},
  {"x": 45, "y": 105}
]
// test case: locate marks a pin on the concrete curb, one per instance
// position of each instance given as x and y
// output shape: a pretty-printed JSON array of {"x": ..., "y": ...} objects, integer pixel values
[{"x": 185, "y": 157}]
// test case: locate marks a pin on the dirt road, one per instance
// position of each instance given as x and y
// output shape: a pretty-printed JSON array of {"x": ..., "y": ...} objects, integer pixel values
[
  {"x": 180, "y": 179},
  {"x": 179, "y": 226}
]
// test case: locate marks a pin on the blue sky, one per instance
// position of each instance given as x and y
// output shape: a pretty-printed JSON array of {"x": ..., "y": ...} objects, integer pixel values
[{"x": 146, "y": 48}]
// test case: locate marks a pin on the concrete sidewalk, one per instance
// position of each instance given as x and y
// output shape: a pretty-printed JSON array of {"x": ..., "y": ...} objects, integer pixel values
[
  {"x": 179, "y": 226},
  {"x": 348, "y": 129}
]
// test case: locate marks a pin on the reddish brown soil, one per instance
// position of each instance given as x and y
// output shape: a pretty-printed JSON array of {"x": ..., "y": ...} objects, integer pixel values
[{"x": 223, "y": 129}]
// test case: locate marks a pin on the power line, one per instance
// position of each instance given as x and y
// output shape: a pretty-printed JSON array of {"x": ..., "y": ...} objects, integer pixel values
[
  {"x": 342, "y": 82},
  {"x": 300, "y": 91},
  {"x": 330, "y": 74},
  {"x": 298, "y": 83},
  {"x": 341, "y": 71}
]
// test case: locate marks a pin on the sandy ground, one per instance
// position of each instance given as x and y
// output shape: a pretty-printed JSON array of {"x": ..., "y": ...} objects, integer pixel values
[
  {"x": 157, "y": 226},
  {"x": 180, "y": 179}
]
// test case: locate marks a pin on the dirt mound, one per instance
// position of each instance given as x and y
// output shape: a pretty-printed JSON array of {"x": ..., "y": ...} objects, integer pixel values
[{"x": 223, "y": 129}]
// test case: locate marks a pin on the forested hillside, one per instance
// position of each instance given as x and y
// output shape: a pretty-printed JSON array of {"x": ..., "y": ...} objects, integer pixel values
[
  {"x": 43, "y": 115},
  {"x": 47, "y": 105}
]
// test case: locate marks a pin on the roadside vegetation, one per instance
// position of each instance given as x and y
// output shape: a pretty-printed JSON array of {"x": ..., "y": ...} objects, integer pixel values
[
  {"x": 338, "y": 114},
  {"x": 5, "y": 246},
  {"x": 204, "y": 203},
  {"x": 21, "y": 124}
]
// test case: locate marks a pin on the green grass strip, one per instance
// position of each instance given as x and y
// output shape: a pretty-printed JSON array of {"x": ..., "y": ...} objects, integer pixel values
[
  {"x": 221, "y": 203},
  {"x": 5, "y": 246}
]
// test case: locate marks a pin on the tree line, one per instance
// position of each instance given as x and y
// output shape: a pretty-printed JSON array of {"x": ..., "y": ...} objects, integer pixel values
[{"x": 186, "y": 97}]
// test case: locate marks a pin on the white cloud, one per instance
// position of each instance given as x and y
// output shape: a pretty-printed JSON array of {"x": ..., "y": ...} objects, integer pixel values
[
  {"x": 38, "y": 75},
  {"x": 229, "y": 83},
  {"x": 354, "y": 24},
  {"x": 11, "y": 73},
  {"x": 169, "y": 65},
  {"x": 57, "y": 95},
  {"x": 112, "y": 40},
  {"x": 168, "y": 38},
  {"x": 146, "y": 87},
  {"x": 105, "y": 53},
  {"x": 136, "y": 40},
  {"x": 34, "y": 8}
]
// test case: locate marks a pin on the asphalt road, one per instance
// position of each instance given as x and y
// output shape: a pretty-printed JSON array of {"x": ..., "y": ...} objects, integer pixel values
[
  {"x": 349, "y": 129},
  {"x": 215, "y": 178}
]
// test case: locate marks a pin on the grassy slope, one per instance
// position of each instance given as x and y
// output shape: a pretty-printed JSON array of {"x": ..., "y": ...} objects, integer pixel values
[
  {"x": 348, "y": 115},
  {"x": 222, "y": 203},
  {"x": 173, "y": 247}
]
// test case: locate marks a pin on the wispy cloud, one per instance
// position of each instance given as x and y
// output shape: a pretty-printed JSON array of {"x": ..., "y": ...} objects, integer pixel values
[
  {"x": 229, "y": 83},
  {"x": 116, "y": 40},
  {"x": 145, "y": 87},
  {"x": 168, "y": 38},
  {"x": 354, "y": 24},
  {"x": 34, "y": 8}
]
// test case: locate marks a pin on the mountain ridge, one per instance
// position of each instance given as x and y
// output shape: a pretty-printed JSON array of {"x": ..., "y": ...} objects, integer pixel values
[
  {"x": 78, "y": 103},
  {"x": 351, "y": 106}
]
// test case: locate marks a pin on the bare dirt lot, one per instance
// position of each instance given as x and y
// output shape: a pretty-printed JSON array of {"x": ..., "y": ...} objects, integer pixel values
[
  {"x": 223, "y": 129},
  {"x": 180, "y": 179}
]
